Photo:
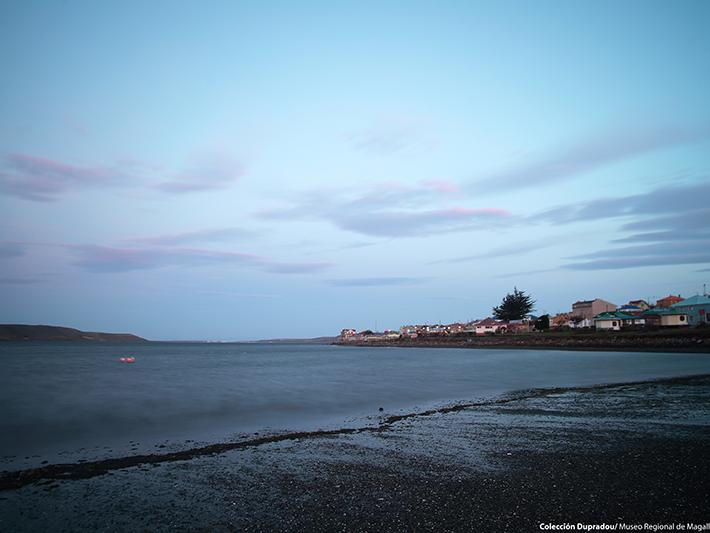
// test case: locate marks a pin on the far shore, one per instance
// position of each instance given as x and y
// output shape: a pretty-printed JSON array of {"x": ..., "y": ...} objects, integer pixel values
[{"x": 680, "y": 341}]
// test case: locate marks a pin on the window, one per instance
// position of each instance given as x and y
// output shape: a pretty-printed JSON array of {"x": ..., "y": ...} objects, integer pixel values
[
  {"x": 682, "y": 318},
  {"x": 613, "y": 324}
]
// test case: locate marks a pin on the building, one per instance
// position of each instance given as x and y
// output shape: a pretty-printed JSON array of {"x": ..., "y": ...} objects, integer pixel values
[
  {"x": 591, "y": 308},
  {"x": 668, "y": 301},
  {"x": 488, "y": 326},
  {"x": 662, "y": 318},
  {"x": 455, "y": 328},
  {"x": 630, "y": 309},
  {"x": 347, "y": 334},
  {"x": 615, "y": 320},
  {"x": 642, "y": 304},
  {"x": 696, "y": 307}
]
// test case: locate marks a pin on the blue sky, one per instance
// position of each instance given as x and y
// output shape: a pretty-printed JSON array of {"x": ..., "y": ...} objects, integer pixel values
[{"x": 226, "y": 170}]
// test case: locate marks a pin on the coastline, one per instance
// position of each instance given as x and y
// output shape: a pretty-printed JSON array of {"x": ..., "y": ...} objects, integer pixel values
[
  {"x": 683, "y": 341},
  {"x": 623, "y": 452}
]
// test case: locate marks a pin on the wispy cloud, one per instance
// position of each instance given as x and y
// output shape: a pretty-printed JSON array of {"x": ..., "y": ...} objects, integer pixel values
[
  {"x": 41, "y": 179},
  {"x": 377, "y": 282},
  {"x": 108, "y": 259},
  {"x": 393, "y": 134},
  {"x": 671, "y": 226},
  {"x": 445, "y": 186},
  {"x": 206, "y": 173},
  {"x": 198, "y": 236},
  {"x": 518, "y": 248},
  {"x": 526, "y": 273},
  {"x": 11, "y": 249},
  {"x": 657, "y": 254},
  {"x": 662, "y": 201},
  {"x": 418, "y": 223},
  {"x": 19, "y": 281},
  {"x": 591, "y": 154},
  {"x": 389, "y": 210}
]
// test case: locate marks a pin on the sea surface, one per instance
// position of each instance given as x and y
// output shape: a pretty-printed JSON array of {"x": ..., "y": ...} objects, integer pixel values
[{"x": 63, "y": 402}]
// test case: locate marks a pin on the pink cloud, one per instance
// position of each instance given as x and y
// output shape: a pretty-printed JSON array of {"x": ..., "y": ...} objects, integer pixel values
[{"x": 42, "y": 179}]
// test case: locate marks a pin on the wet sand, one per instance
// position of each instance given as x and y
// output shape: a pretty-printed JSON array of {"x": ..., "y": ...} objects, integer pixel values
[{"x": 633, "y": 453}]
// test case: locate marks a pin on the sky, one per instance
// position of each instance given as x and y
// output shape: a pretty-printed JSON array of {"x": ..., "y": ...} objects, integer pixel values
[{"x": 245, "y": 170}]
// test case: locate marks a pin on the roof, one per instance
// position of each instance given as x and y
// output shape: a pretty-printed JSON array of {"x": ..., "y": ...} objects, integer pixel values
[
  {"x": 698, "y": 299},
  {"x": 661, "y": 311},
  {"x": 488, "y": 322},
  {"x": 614, "y": 315}
]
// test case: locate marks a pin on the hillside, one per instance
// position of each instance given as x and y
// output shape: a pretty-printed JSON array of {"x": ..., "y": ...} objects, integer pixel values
[{"x": 22, "y": 332}]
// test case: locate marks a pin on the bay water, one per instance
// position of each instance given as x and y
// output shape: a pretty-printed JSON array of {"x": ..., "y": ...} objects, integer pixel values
[{"x": 63, "y": 402}]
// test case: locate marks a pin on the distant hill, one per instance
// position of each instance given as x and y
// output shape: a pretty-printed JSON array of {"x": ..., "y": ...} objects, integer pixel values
[
  {"x": 22, "y": 332},
  {"x": 315, "y": 340}
]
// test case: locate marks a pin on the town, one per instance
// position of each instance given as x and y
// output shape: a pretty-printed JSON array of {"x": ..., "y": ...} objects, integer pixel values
[{"x": 673, "y": 311}]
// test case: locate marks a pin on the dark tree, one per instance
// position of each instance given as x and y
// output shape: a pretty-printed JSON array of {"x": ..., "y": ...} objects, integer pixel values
[
  {"x": 542, "y": 323},
  {"x": 514, "y": 306}
]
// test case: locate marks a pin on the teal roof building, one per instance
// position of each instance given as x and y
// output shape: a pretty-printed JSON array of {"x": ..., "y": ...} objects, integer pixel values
[{"x": 696, "y": 307}]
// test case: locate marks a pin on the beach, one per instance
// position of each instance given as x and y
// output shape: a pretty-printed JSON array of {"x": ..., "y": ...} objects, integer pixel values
[{"x": 632, "y": 453}]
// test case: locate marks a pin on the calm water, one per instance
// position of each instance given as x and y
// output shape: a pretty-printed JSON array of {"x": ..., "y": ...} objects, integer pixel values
[{"x": 63, "y": 401}]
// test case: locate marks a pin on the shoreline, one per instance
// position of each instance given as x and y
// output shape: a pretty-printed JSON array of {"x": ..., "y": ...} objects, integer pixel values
[{"x": 694, "y": 341}]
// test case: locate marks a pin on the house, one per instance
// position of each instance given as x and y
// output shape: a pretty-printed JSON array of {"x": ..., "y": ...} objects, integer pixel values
[
  {"x": 560, "y": 320},
  {"x": 642, "y": 304},
  {"x": 347, "y": 334},
  {"x": 470, "y": 327},
  {"x": 591, "y": 308},
  {"x": 455, "y": 328},
  {"x": 567, "y": 320},
  {"x": 661, "y": 318},
  {"x": 520, "y": 326},
  {"x": 411, "y": 331},
  {"x": 615, "y": 320},
  {"x": 668, "y": 301},
  {"x": 630, "y": 309},
  {"x": 696, "y": 307},
  {"x": 489, "y": 325}
]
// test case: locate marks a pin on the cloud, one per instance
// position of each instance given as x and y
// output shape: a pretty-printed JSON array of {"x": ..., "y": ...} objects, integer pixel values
[
  {"x": 656, "y": 254},
  {"x": 187, "y": 237},
  {"x": 671, "y": 226},
  {"x": 9, "y": 250},
  {"x": 377, "y": 282},
  {"x": 662, "y": 201},
  {"x": 392, "y": 135},
  {"x": 526, "y": 273},
  {"x": 591, "y": 154},
  {"x": 389, "y": 210},
  {"x": 503, "y": 251},
  {"x": 445, "y": 186},
  {"x": 417, "y": 223},
  {"x": 42, "y": 179},
  {"x": 208, "y": 172},
  {"x": 19, "y": 281},
  {"x": 294, "y": 268},
  {"x": 107, "y": 259}
]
